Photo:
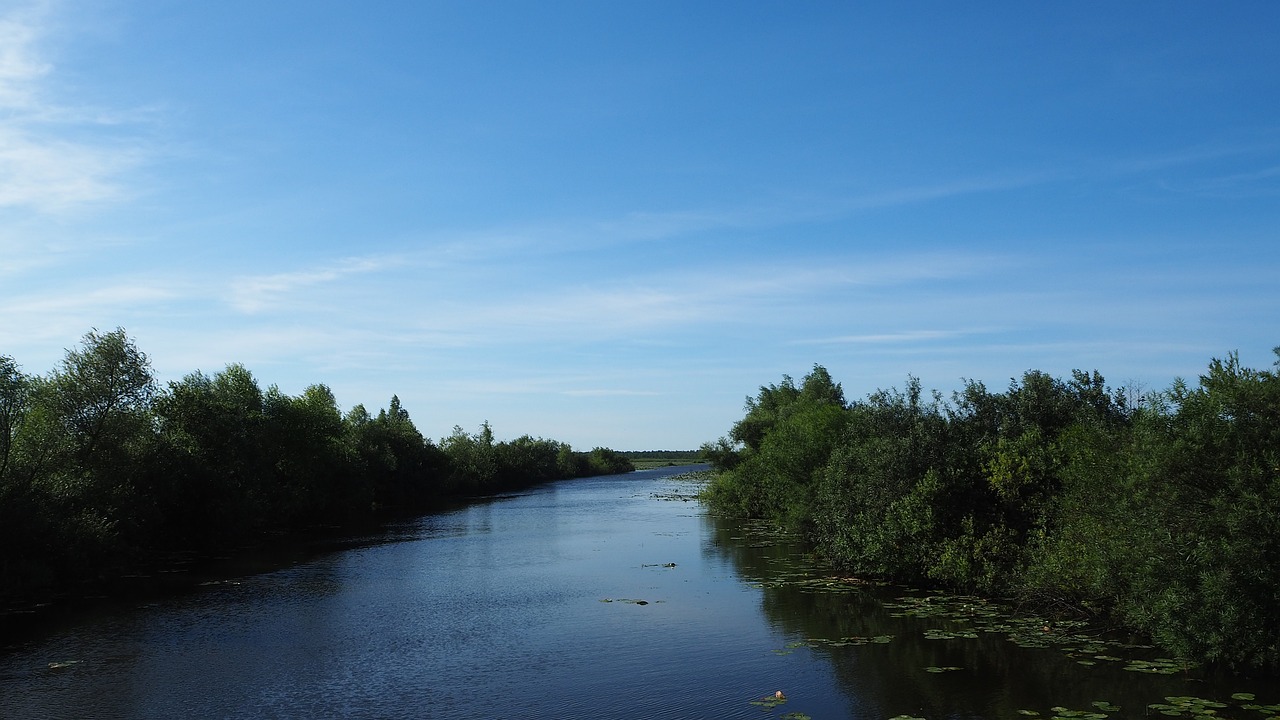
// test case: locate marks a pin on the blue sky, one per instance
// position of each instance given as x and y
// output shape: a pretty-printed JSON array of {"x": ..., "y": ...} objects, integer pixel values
[{"x": 608, "y": 223}]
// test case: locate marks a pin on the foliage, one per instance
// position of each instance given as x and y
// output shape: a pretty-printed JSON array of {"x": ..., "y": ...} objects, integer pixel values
[
  {"x": 1163, "y": 517},
  {"x": 101, "y": 469},
  {"x": 786, "y": 438}
]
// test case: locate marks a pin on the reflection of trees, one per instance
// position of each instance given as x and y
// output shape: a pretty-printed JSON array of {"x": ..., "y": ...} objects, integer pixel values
[{"x": 997, "y": 677}]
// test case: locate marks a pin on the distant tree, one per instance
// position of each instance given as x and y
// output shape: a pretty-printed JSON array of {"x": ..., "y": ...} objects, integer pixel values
[{"x": 473, "y": 460}]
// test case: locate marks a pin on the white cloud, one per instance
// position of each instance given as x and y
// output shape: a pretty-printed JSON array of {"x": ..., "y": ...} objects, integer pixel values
[{"x": 42, "y": 168}]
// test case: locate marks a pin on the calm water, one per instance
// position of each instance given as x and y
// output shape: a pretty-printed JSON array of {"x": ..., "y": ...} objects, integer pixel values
[{"x": 600, "y": 598}]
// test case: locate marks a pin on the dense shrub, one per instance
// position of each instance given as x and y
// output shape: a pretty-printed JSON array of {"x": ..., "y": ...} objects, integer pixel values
[{"x": 1164, "y": 517}]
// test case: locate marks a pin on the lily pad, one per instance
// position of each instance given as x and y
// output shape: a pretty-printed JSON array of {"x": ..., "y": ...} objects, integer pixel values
[{"x": 770, "y": 702}]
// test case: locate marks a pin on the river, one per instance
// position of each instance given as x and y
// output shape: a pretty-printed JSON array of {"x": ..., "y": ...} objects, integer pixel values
[{"x": 611, "y": 597}]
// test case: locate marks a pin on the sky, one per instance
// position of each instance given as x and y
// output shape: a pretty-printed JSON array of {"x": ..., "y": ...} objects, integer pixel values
[{"x": 609, "y": 223}]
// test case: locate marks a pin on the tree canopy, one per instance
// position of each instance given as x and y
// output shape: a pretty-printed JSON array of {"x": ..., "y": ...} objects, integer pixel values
[{"x": 101, "y": 468}]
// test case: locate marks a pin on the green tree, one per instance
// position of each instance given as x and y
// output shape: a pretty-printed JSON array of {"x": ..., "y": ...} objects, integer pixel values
[
  {"x": 14, "y": 388},
  {"x": 787, "y": 436},
  {"x": 403, "y": 469},
  {"x": 212, "y": 480},
  {"x": 101, "y": 400},
  {"x": 305, "y": 443},
  {"x": 882, "y": 504},
  {"x": 82, "y": 445},
  {"x": 473, "y": 460}
]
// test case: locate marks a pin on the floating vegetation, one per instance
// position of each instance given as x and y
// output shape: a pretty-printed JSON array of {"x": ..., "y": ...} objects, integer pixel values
[
  {"x": 1159, "y": 666},
  {"x": 1193, "y": 706},
  {"x": 935, "y": 634},
  {"x": 984, "y": 616},
  {"x": 946, "y": 607},
  {"x": 791, "y": 647},
  {"x": 683, "y": 497},
  {"x": 1179, "y": 706},
  {"x": 963, "y": 617},
  {"x": 770, "y": 702},
  {"x": 849, "y": 641},
  {"x": 1061, "y": 713},
  {"x": 852, "y": 641},
  {"x": 795, "y": 716}
]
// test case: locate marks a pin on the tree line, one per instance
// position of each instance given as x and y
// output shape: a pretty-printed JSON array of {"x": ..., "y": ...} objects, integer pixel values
[
  {"x": 1156, "y": 512},
  {"x": 103, "y": 469}
]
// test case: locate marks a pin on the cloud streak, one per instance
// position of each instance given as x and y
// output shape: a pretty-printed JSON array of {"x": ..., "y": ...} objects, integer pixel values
[{"x": 257, "y": 293}]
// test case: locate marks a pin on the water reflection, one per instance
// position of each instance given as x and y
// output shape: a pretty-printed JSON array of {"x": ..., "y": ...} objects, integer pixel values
[
  {"x": 600, "y": 598},
  {"x": 937, "y": 674}
]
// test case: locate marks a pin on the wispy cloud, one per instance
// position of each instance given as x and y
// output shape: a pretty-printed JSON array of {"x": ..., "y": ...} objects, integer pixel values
[
  {"x": 909, "y": 336},
  {"x": 912, "y": 195},
  {"x": 46, "y": 322},
  {"x": 46, "y": 164},
  {"x": 253, "y": 294},
  {"x": 1254, "y": 183}
]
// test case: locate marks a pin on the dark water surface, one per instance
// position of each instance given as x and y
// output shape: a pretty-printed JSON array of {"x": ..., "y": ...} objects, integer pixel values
[{"x": 610, "y": 597}]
